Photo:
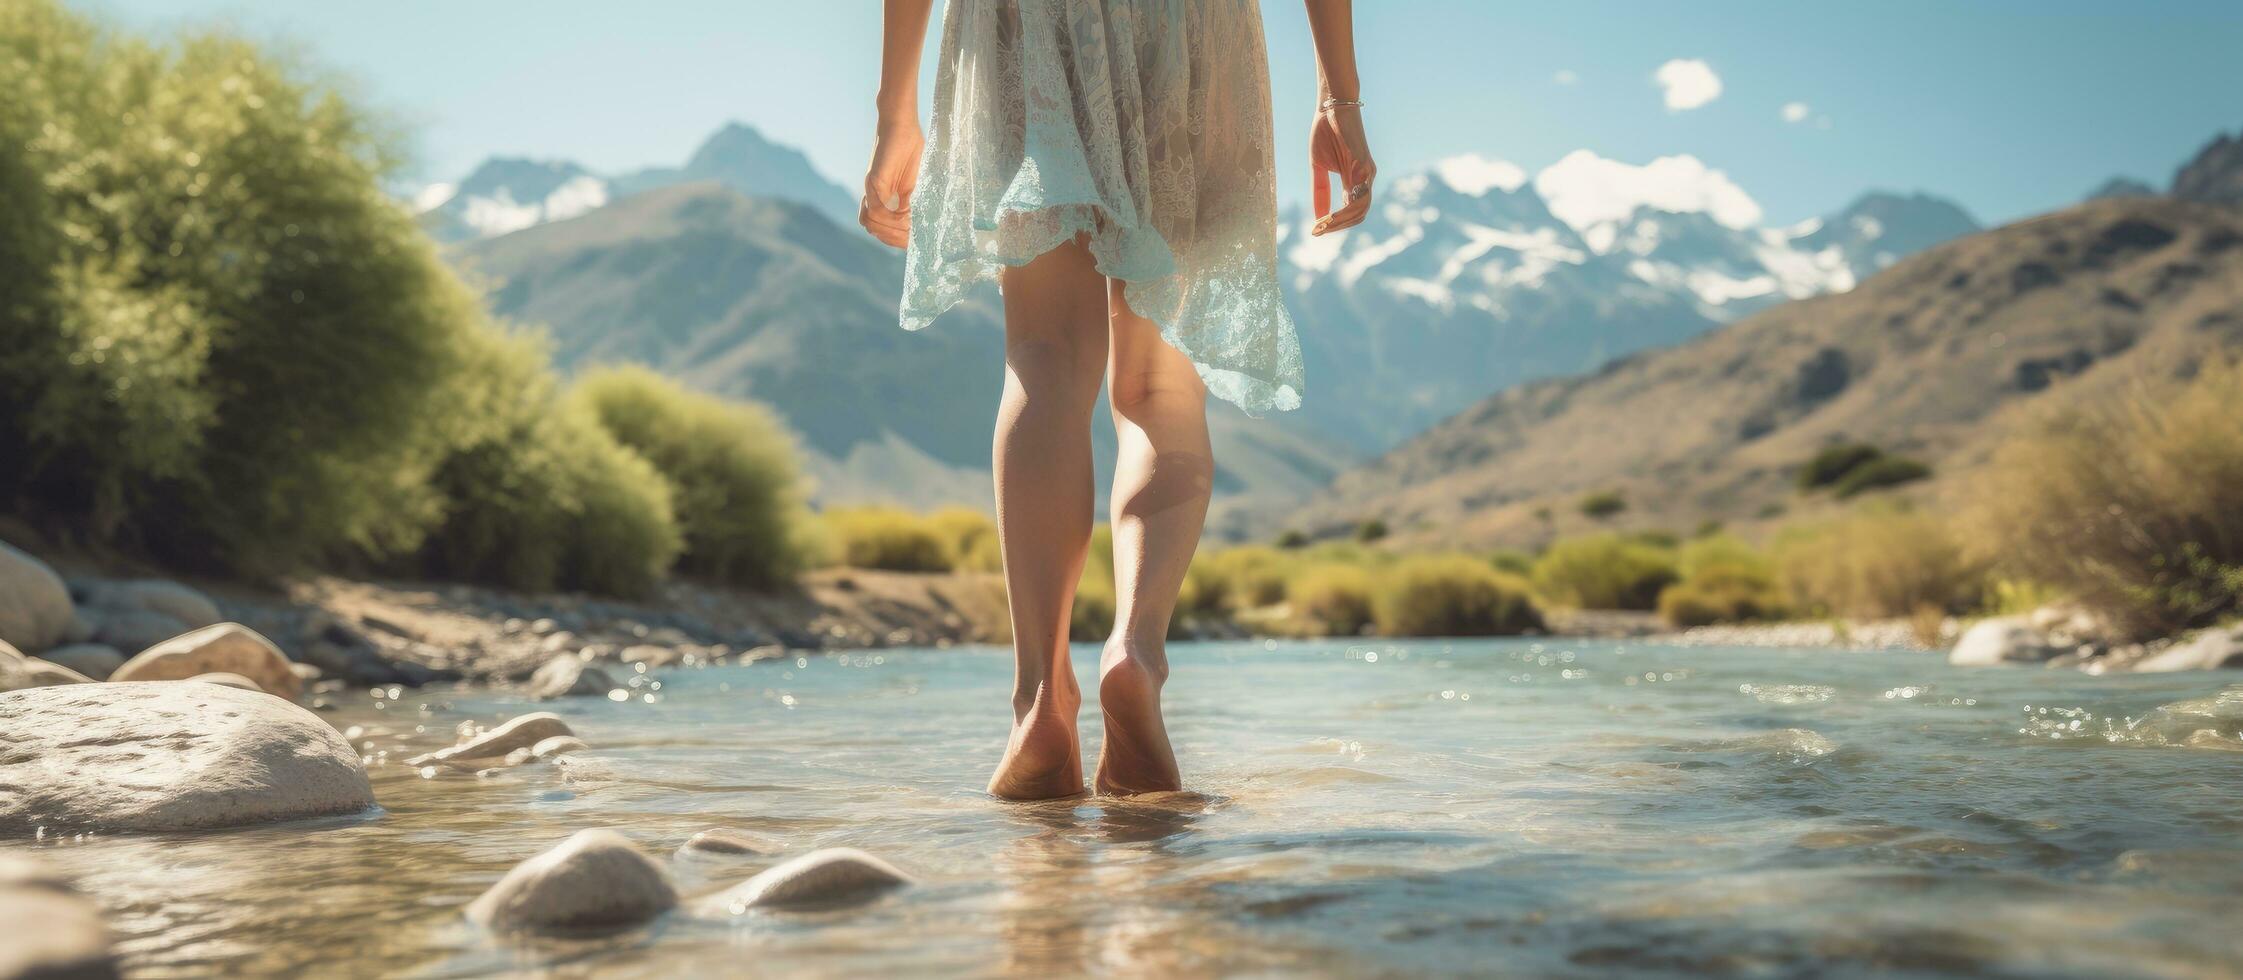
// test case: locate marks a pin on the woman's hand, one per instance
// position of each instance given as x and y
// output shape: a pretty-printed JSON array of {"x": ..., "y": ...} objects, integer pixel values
[
  {"x": 1337, "y": 147},
  {"x": 885, "y": 209}
]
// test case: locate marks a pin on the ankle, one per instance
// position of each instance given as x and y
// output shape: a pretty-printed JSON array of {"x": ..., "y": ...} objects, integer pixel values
[
  {"x": 1149, "y": 657},
  {"x": 1046, "y": 698}
]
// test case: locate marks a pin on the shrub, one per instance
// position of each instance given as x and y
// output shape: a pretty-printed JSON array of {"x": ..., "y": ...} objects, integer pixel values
[
  {"x": 730, "y": 466},
  {"x": 2135, "y": 509},
  {"x": 1290, "y": 539},
  {"x": 1332, "y": 599},
  {"x": 885, "y": 538},
  {"x": 1452, "y": 595},
  {"x": 1834, "y": 462},
  {"x": 1254, "y": 576},
  {"x": 1605, "y": 571},
  {"x": 1370, "y": 530},
  {"x": 1878, "y": 562},
  {"x": 1206, "y": 590},
  {"x": 970, "y": 538},
  {"x": 1877, "y": 474},
  {"x": 1724, "y": 580},
  {"x": 1603, "y": 504},
  {"x": 1513, "y": 561},
  {"x": 543, "y": 496}
]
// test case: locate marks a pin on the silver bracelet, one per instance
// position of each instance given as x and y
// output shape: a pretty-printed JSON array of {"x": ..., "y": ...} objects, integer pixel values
[{"x": 1329, "y": 104}]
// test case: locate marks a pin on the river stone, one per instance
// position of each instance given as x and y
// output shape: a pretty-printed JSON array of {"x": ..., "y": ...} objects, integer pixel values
[
  {"x": 557, "y": 746},
  {"x": 48, "y": 929},
  {"x": 152, "y": 758},
  {"x": 91, "y": 659},
  {"x": 596, "y": 880},
  {"x": 567, "y": 676},
  {"x": 229, "y": 648},
  {"x": 134, "y": 629},
  {"x": 35, "y": 609},
  {"x": 518, "y": 733},
  {"x": 650, "y": 655},
  {"x": 725, "y": 840},
  {"x": 2210, "y": 650},
  {"x": 157, "y": 596},
  {"x": 21, "y": 673},
  {"x": 828, "y": 877},
  {"x": 2009, "y": 639},
  {"x": 235, "y": 681}
]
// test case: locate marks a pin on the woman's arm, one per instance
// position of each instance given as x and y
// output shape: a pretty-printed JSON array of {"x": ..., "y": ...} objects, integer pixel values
[
  {"x": 1336, "y": 144},
  {"x": 885, "y": 210}
]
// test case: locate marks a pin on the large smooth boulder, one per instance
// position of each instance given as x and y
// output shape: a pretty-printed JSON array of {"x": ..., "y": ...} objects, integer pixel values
[
  {"x": 2210, "y": 650},
  {"x": 596, "y": 880},
  {"x": 828, "y": 877},
  {"x": 47, "y": 929},
  {"x": 728, "y": 842},
  {"x": 227, "y": 648},
  {"x": 519, "y": 732},
  {"x": 35, "y": 609},
  {"x": 21, "y": 673},
  {"x": 168, "y": 598},
  {"x": 568, "y": 676},
  {"x": 152, "y": 758},
  {"x": 91, "y": 659},
  {"x": 2008, "y": 639}
]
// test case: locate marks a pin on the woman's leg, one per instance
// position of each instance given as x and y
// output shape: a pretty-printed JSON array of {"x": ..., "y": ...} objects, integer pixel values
[
  {"x": 1055, "y": 353},
  {"x": 1162, "y": 478}
]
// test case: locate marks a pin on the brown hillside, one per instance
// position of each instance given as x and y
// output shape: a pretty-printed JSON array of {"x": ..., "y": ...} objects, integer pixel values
[{"x": 1933, "y": 359}]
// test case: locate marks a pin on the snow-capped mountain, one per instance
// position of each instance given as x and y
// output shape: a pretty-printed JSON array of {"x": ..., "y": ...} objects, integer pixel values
[
  {"x": 1474, "y": 275},
  {"x": 507, "y": 195}
]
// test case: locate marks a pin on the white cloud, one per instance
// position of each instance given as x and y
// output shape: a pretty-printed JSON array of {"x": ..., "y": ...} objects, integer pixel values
[
  {"x": 1794, "y": 112},
  {"x": 1565, "y": 76},
  {"x": 1594, "y": 195},
  {"x": 433, "y": 196},
  {"x": 1474, "y": 175},
  {"x": 1689, "y": 83}
]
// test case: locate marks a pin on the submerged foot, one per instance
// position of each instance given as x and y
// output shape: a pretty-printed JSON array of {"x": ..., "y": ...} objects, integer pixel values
[
  {"x": 1136, "y": 757},
  {"x": 1042, "y": 760}
]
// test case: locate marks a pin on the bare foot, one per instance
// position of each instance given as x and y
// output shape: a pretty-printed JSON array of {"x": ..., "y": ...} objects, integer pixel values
[
  {"x": 1042, "y": 761},
  {"x": 1136, "y": 757}
]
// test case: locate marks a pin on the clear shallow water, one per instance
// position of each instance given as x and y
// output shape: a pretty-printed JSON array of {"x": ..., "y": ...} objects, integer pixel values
[{"x": 1422, "y": 807}]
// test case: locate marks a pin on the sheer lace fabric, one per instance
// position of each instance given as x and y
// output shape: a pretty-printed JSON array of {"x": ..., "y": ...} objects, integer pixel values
[{"x": 1142, "y": 124}]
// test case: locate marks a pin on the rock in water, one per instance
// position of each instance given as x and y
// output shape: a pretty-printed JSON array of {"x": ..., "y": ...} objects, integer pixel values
[
  {"x": 828, "y": 877},
  {"x": 596, "y": 880},
  {"x": 227, "y": 648},
  {"x": 725, "y": 840},
  {"x": 21, "y": 673},
  {"x": 47, "y": 929},
  {"x": 91, "y": 659},
  {"x": 35, "y": 609},
  {"x": 157, "y": 596},
  {"x": 521, "y": 732},
  {"x": 2210, "y": 650},
  {"x": 568, "y": 676},
  {"x": 2009, "y": 639},
  {"x": 557, "y": 746},
  {"x": 150, "y": 758}
]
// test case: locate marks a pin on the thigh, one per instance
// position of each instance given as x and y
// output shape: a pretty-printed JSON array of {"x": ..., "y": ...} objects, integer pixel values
[{"x": 1058, "y": 297}]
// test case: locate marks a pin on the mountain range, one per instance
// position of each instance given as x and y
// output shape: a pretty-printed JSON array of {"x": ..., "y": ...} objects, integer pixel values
[{"x": 742, "y": 272}]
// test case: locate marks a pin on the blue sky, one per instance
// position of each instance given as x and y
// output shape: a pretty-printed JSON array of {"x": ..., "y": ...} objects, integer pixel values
[{"x": 2008, "y": 106}]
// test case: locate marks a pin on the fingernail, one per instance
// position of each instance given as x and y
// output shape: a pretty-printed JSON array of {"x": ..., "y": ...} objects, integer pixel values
[{"x": 894, "y": 203}]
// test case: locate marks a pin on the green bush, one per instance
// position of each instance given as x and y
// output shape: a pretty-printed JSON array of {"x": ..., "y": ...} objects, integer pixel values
[
  {"x": 1513, "y": 561},
  {"x": 887, "y": 538},
  {"x": 1603, "y": 504},
  {"x": 2135, "y": 509},
  {"x": 1255, "y": 576},
  {"x": 1879, "y": 562},
  {"x": 1878, "y": 474},
  {"x": 970, "y": 537},
  {"x": 1724, "y": 580},
  {"x": 543, "y": 497},
  {"x": 1452, "y": 595},
  {"x": 1370, "y": 530},
  {"x": 1605, "y": 571},
  {"x": 730, "y": 467},
  {"x": 1290, "y": 539},
  {"x": 1332, "y": 599},
  {"x": 1834, "y": 462}
]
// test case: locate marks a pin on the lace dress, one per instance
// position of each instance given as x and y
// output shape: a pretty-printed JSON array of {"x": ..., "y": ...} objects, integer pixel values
[{"x": 1144, "y": 123}]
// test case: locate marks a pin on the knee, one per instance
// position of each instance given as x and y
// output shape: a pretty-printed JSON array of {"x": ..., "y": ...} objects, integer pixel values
[
  {"x": 1054, "y": 366},
  {"x": 1140, "y": 387}
]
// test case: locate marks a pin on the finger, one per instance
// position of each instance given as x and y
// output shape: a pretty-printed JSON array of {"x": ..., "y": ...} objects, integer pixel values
[
  {"x": 888, "y": 223},
  {"x": 1346, "y": 217},
  {"x": 1320, "y": 191}
]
